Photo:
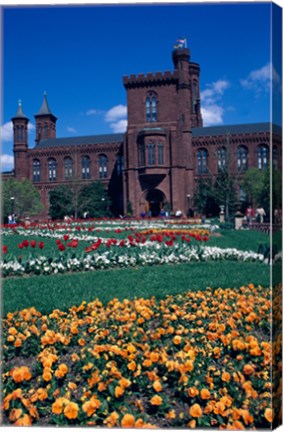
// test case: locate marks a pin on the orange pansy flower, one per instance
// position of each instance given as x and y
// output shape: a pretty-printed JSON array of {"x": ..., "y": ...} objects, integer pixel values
[
  {"x": 71, "y": 410},
  {"x": 157, "y": 386},
  {"x": 156, "y": 400},
  {"x": 195, "y": 411},
  {"x": 204, "y": 394},
  {"x": 268, "y": 415},
  {"x": 128, "y": 421}
]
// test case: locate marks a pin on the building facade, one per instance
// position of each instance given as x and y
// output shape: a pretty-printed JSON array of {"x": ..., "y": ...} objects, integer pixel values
[{"x": 158, "y": 160}]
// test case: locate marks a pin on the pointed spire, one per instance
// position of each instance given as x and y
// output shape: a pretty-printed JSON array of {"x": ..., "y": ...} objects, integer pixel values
[
  {"x": 44, "y": 110},
  {"x": 19, "y": 113}
]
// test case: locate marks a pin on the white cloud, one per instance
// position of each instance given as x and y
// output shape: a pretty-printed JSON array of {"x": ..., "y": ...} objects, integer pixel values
[
  {"x": 211, "y": 99},
  {"x": 120, "y": 126},
  {"x": 71, "y": 129},
  {"x": 7, "y": 162},
  {"x": 117, "y": 117},
  {"x": 212, "y": 115},
  {"x": 116, "y": 113},
  {"x": 260, "y": 79},
  {"x": 93, "y": 111},
  {"x": 7, "y": 131}
]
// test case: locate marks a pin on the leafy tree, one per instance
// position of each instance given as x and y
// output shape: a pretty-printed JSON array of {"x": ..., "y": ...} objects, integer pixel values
[
  {"x": 61, "y": 203},
  {"x": 94, "y": 200},
  {"x": 253, "y": 185},
  {"x": 203, "y": 197},
  {"x": 27, "y": 201},
  {"x": 76, "y": 199},
  {"x": 224, "y": 192}
]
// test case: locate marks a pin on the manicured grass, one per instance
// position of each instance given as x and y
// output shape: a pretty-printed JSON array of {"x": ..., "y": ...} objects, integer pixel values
[
  {"x": 46, "y": 293},
  {"x": 245, "y": 240}
]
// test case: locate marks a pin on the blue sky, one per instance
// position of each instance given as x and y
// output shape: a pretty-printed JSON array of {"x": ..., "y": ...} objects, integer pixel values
[{"x": 80, "y": 54}]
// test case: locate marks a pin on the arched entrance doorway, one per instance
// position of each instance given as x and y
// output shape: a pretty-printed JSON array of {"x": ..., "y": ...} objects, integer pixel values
[{"x": 155, "y": 200}]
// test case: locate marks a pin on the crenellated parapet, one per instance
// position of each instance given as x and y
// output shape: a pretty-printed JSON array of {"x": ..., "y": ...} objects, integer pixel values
[
  {"x": 150, "y": 79},
  {"x": 194, "y": 68}
]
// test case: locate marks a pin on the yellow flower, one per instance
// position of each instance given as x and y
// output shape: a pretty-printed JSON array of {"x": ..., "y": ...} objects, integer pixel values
[
  {"x": 204, "y": 394},
  {"x": 195, "y": 411},
  {"x": 193, "y": 391},
  {"x": 157, "y": 386},
  {"x": 156, "y": 400},
  {"x": 119, "y": 391},
  {"x": 268, "y": 415},
  {"x": 71, "y": 410},
  {"x": 128, "y": 421}
]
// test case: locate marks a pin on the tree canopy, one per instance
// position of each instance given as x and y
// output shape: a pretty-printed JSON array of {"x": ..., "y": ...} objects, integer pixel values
[
  {"x": 77, "y": 199},
  {"x": 26, "y": 200}
]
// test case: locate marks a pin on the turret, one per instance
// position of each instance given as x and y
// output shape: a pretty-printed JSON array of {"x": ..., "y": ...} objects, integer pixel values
[
  {"x": 45, "y": 122},
  {"x": 20, "y": 129}
]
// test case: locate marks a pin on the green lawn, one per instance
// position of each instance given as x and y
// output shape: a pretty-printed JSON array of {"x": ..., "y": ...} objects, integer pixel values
[{"x": 46, "y": 293}]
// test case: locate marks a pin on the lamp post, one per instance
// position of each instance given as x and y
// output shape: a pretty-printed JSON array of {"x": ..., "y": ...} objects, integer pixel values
[
  {"x": 188, "y": 200},
  {"x": 12, "y": 204}
]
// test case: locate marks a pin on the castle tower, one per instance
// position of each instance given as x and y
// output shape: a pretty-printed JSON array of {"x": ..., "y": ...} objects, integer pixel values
[
  {"x": 45, "y": 122},
  {"x": 20, "y": 129}
]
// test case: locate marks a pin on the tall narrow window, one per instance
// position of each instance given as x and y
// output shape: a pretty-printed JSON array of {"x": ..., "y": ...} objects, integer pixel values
[
  {"x": 119, "y": 164},
  {"x": 85, "y": 167},
  {"x": 151, "y": 154},
  {"x": 202, "y": 161},
  {"x": 242, "y": 158},
  {"x": 52, "y": 169},
  {"x": 262, "y": 156},
  {"x": 195, "y": 96},
  {"x": 222, "y": 158},
  {"x": 141, "y": 155},
  {"x": 36, "y": 170},
  {"x": 151, "y": 107},
  {"x": 45, "y": 131},
  {"x": 275, "y": 157},
  {"x": 102, "y": 161},
  {"x": 160, "y": 153},
  {"x": 68, "y": 167}
]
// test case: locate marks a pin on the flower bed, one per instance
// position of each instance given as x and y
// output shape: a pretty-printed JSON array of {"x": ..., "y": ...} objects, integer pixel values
[{"x": 200, "y": 359}]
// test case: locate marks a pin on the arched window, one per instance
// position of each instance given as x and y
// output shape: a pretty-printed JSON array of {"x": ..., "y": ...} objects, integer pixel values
[
  {"x": 52, "y": 168},
  {"x": 222, "y": 158},
  {"x": 160, "y": 147},
  {"x": 151, "y": 154},
  {"x": 102, "y": 162},
  {"x": 262, "y": 156},
  {"x": 202, "y": 161},
  {"x": 36, "y": 170},
  {"x": 141, "y": 155},
  {"x": 151, "y": 107},
  {"x": 242, "y": 158},
  {"x": 275, "y": 157},
  {"x": 68, "y": 167},
  {"x": 85, "y": 167}
]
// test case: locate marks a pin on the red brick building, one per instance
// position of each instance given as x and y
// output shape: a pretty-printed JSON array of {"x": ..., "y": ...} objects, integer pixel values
[{"x": 161, "y": 155}]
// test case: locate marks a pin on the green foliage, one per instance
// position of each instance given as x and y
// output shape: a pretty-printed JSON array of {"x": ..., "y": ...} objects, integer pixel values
[
  {"x": 224, "y": 192},
  {"x": 129, "y": 208},
  {"x": 94, "y": 200},
  {"x": 27, "y": 200},
  {"x": 77, "y": 198},
  {"x": 60, "y": 202},
  {"x": 204, "y": 197},
  {"x": 253, "y": 184},
  {"x": 47, "y": 293}
]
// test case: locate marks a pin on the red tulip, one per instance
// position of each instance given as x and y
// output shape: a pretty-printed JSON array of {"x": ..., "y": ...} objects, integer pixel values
[
  {"x": 33, "y": 243},
  {"x": 66, "y": 237},
  {"x": 4, "y": 249},
  {"x": 41, "y": 245},
  {"x": 25, "y": 243},
  {"x": 20, "y": 246},
  {"x": 61, "y": 247}
]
